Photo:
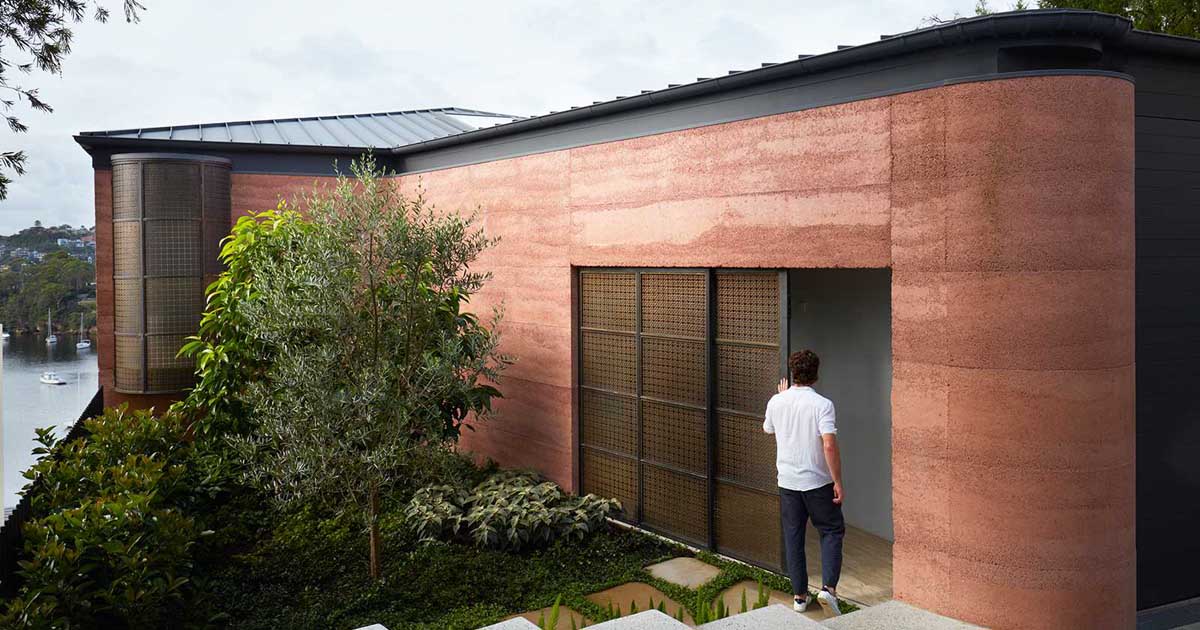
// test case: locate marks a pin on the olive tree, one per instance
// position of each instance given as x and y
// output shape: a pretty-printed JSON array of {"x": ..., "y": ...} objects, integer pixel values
[{"x": 375, "y": 365}]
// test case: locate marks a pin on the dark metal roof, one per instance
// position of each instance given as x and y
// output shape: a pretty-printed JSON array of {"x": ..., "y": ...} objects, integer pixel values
[
  {"x": 1014, "y": 27},
  {"x": 359, "y": 131}
]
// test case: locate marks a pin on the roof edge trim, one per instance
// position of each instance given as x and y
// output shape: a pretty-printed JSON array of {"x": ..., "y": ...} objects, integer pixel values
[{"x": 1015, "y": 25}]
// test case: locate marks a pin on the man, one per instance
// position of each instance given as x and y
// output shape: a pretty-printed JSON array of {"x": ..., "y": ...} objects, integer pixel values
[{"x": 810, "y": 477}]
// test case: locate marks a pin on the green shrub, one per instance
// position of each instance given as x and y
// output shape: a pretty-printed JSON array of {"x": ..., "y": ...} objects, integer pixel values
[
  {"x": 114, "y": 562},
  {"x": 510, "y": 510},
  {"x": 110, "y": 542}
]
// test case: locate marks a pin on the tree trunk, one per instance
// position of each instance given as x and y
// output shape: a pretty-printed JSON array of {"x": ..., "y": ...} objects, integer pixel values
[{"x": 374, "y": 536}]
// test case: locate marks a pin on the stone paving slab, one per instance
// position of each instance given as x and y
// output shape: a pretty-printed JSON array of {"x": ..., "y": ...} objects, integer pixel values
[
  {"x": 516, "y": 623},
  {"x": 647, "y": 620},
  {"x": 642, "y": 593},
  {"x": 686, "y": 572},
  {"x": 777, "y": 617},
  {"x": 565, "y": 615},
  {"x": 895, "y": 615}
]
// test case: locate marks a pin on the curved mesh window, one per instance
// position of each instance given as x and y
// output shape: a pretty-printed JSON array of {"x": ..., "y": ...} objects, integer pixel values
[{"x": 169, "y": 214}]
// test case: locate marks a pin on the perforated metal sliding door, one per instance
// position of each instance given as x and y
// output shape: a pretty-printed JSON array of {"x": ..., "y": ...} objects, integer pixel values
[
  {"x": 643, "y": 396},
  {"x": 750, "y": 346},
  {"x": 676, "y": 367},
  {"x": 674, "y": 396}
]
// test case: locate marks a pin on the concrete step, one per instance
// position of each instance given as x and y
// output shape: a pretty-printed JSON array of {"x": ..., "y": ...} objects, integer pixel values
[
  {"x": 895, "y": 615},
  {"x": 777, "y": 617},
  {"x": 516, "y": 623},
  {"x": 648, "y": 620}
]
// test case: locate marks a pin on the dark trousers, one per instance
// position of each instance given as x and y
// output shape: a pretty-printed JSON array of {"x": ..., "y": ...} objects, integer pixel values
[{"x": 796, "y": 507}]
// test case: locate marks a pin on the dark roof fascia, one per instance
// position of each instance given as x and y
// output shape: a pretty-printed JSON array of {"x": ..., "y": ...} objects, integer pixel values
[
  {"x": 245, "y": 158},
  {"x": 1161, "y": 44},
  {"x": 89, "y": 141},
  {"x": 1023, "y": 25}
]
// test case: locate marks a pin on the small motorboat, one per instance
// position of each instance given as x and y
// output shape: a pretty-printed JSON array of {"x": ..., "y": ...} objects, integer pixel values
[
  {"x": 51, "y": 378},
  {"x": 83, "y": 342}
]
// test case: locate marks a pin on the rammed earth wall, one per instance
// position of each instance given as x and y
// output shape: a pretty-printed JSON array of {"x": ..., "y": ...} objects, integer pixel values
[{"x": 1004, "y": 209}]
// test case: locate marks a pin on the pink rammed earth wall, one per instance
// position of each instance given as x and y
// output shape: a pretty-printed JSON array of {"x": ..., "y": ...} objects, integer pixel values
[{"x": 1005, "y": 210}]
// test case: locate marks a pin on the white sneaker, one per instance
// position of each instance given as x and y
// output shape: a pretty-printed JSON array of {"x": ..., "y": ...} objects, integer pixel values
[
  {"x": 800, "y": 605},
  {"x": 830, "y": 601}
]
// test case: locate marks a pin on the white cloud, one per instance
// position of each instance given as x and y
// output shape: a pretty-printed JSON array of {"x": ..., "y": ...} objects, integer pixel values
[{"x": 197, "y": 61}]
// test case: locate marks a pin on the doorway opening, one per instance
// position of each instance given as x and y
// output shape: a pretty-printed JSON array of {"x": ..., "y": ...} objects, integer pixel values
[
  {"x": 844, "y": 315},
  {"x": 675, "y": 367}
]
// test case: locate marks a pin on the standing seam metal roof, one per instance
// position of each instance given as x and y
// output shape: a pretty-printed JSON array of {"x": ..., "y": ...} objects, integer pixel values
[{"x": 359, "y": 131}]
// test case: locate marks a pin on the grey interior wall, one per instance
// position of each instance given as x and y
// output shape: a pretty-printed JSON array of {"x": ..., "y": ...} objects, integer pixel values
[{"x": 844, "y": 315}]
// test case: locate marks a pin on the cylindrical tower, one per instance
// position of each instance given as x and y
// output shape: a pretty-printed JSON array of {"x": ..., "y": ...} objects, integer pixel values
[{"x": 170, "y": 212}]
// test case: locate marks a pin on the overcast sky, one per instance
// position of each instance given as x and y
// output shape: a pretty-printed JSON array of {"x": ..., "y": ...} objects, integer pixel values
[{"x": 218, "y": 60}]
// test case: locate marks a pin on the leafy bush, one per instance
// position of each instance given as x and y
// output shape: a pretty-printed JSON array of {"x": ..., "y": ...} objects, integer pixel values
[
  {"x": 227, "y": 356},
  {"x": 510, "y": 510},
  {"x": 110, "y": 544}
]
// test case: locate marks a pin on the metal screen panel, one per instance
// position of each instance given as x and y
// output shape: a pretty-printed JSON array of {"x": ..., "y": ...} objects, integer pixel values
[
  {"x": 165, "y": 370},
  {"x": 745, "y": 454},
  {"x": 676, "y": 436},
  {"x": 608, "y": 421},
  {"x": 172, "y": 248},
  {"x": 126, "y": 187},
  {"x": 217, "y": 217},
  {"x": 169, "y": 213},
  {"x": 174, "y": 305},
  {"x": 748, "y": 307},
  {"x": 127, "y": 249},
  {"x": 748, "y": 527},
  {"x": 128, "y": 374},
  {"x": 675, "y": 504},
  {"x": 612, "y": 477},
  {"x": 674, "y": 369},
  {"x": 746, "y": 376},
  {"x": 674, "y": 304},
  {"x": 127, "y": 305},
  {"x": 608, "y": 301},
  {"x": 171, "y": 190},
  {"x": 609, "y": 361}
]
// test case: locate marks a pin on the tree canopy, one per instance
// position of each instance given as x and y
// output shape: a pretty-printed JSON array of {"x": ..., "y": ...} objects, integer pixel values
[
  {"x": 40, "y": 32},
  {"x": 1173, "y": 17},
  {"x": 365, "y": 362},
  {"x": 59, "y": 283}
]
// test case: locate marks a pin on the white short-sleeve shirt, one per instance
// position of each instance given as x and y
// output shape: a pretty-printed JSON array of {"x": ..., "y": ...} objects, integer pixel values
[{"x": 798, "y": 417}]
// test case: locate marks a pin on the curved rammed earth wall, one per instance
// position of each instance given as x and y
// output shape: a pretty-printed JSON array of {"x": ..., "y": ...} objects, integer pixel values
[
  {"x": 1012, "y": 395},
  {"x": 1005, "y": 209}
]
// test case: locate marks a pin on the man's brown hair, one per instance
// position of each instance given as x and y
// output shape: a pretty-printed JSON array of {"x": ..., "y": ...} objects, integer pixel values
[{"x": 804, "y": 366}]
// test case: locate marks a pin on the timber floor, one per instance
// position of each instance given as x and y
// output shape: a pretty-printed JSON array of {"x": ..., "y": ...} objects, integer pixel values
[{"x": 866, "y": 566}]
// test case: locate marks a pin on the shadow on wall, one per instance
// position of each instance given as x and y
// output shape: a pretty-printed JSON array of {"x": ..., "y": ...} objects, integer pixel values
[{"x": 845, "y": 316}]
